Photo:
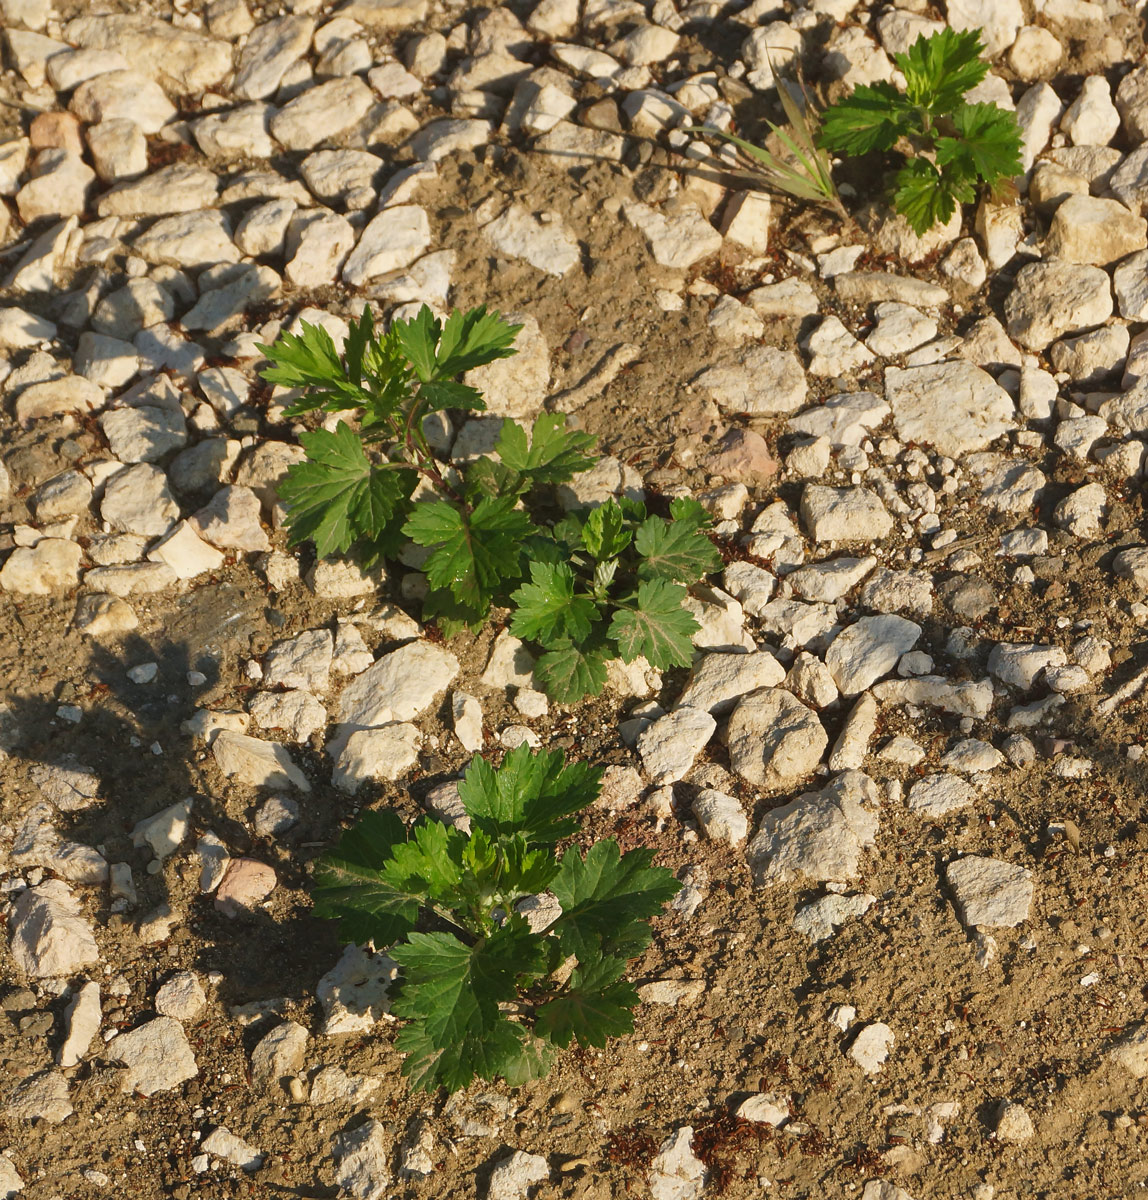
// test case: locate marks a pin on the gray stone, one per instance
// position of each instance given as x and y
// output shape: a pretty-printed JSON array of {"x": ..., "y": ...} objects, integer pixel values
[
  {"x": 49, "y": 936},
  {"x": 679, "y": 240},
  {"x": 303, "y": 661},
  {"x": 223, "y": 1144},
  {"x": 297, "y": 713},
  {"x": 318, "y": 242},
  {"x": 231, "y": 520},
  {"x": 721, "y": 817},
  {"x": 144, "y": 434},
  {"x": 354, "y": 994},
  {"x": 321, "y": 112},
  {"x": 1088, "y": 229},
  {"x": 381, "y": 752},
  {"x": 543, "y": 241},
  {"x": 181, "y": 996},
  {"x": 819, "y": 920},
  {"x": 278, "y": 1054},
  {"x": 513, "y": 1177},
  {"x": 270, "y": 50},
  {"x": 175, "y": 189},
  {"x": 197, "y": 239},
  {"x": 819, "y": 836},
  {"x": 1020, "y": 664},
  {"x": 393, "y": 240},
  {"x": 41, "y": 1097}
]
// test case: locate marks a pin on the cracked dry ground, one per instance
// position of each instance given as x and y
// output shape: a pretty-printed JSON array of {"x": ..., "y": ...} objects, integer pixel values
[{"x": 903, "y": 781}]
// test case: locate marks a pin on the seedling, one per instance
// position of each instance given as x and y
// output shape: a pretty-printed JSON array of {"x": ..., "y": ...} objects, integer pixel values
[
  {"x": 949, "y": 147},
  {"x": 583, "y": 588},
  {"x": 494, "y": 994}
]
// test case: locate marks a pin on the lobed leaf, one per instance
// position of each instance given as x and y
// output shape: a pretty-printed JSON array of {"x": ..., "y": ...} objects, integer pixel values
[
  {"x": 351, "y": 887},
  {"x": 941, "y": 68},
  {"x": 658, "y": 627},
  {"x": 547, "y": 608},
  {"x": 604, "y": 533},
  {"x": 872, "y": 117},
  {"x": 675, "y": 550},
  {"x": 554, "y": 454},
  {"x": 607, "y": 898},
  {"x": 594, "y": 1006},
  {"x": 531, "y": 795},
  {"x": 569, "y": 673},
  {"x": 338, "y": 497},
  {"x": 475, "y": 553},
  {"x": 987, "y": 145}
]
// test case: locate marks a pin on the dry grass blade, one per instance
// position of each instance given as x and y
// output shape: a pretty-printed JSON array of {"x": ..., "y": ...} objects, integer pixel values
[{"x": 809, "y": 176}]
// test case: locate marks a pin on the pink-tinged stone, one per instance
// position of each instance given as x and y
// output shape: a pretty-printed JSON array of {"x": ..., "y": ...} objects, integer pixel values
[
  {"x": 744, "y": 457},
  {"x": 246, "y": 883}
]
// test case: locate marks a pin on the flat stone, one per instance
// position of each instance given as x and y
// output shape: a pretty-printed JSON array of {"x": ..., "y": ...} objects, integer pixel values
[
  {"x": 868, "y": 649},
  {"x": 541, "y": 240},
  {"x": 819, "y": 920},
  {"x": 318, "y": 242},
  {"x": 231, "y": 521},
  {"x": 440, "y": 139},
  {"x": 774, "y": 739},
  {"x": 181, "y": 996},
  {"x": 278, "y": 1054},
  {"x": 246, "y": 883},
  {"x": 297, "y": 713},
  {"x": 381, "y": 752},
  {"x": 68, "y": 784},
  {"x": 118, "y": 95},
  {"x": 185, "y": 553},
  {"x": 671, "y": 744},
  {"x": 1092, "y": 230},
  {"x": 198, "y": 239},
  {"x": 303, "y": 661},
  {"x": 846, "y": 419},
  {"x": 1050, "y": 299},
  {"x": 143, "y": 434},
  {"x": 176, "y": 189},
  {"x": 1019, "y": 665},
  {"x": 843, "y": 514},
  {"x": 69, "y": 393},
  {"x": 939, "y": 794},
  {"x": 721, "y": 817},
  {"x": 157, "y": 1055},
  {"x": 819, "y": 836},
  {"x": 676, "y": 241},
  {"x": 513, "y": 1177},
  {"x": 321, "y": 112},
  {"x": 676, "y": 1173},
  {"x": 243, "y": 132},
  {"x": 52, "y": 565},
  {"x": 1131, "y": 1052},
  {"x": 953, "y": 406},
  {"x": 760, "y": 380},
  {"x": 361, "y": 1158},
  {"x": 270, "y": 49},
  {"x": 400, "y": 686},
  {"x": 256, "y": 763},
  {"x": 40, "y": 1097},
  {"x": 990, "y": 892},
  {"x": 221, "y": 1143},
  {"x": 393, "y": 240},
  {"x": 355, "y": 992},
  {"x": 871, "y": 1047},
  {"x": 719, "y": 681},
  {"x": 216, "y": 306},
  {"x": 49, "y": 936},
  {"x": 834, "y": 351}
]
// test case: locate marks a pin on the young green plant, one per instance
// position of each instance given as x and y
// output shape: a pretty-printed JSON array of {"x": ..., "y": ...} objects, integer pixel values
[
  {"x": 583, "y": 588},
  {"x": 492, "y": 982},
  {"x": 949, "y": 147}
]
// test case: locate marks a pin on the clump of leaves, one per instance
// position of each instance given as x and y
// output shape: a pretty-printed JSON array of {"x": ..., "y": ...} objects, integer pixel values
[
  {"x": 949, "y": 147},
  {"x": 583, "y": 588},
  {"x": 493, "y": 993}
]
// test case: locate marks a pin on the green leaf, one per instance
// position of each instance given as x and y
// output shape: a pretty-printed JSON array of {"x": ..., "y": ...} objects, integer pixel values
[
  {"x": 594, "y": 1006},
  {"x": 926, "y": 197},
  {"x": 475, "y": 553},
  {"x": 309, "y": 360},
  {"x": 607, "y": 898},
  {"x": 532, "y": 795},
  {"x": 451, "y": 994},
  {"x": 360, "y": 335},
  {"x": 659, "y": 628},
  {"x": 547, "y": 608},
  {"x": 568, "y": 673},
  {"x": 554, "y": 454},
  {"x": 604, "y": 533},
  {"x": 871, "y": 117},
  {"x": 430, "y": 863},
  {"x": 939, "y": 69},
  {"x": 987, "y": 146},
  {"x": 444, "y": 393},
  {"x": 338, "y": 496},
  {"x": 675, "y": 550},
  {"x": 351, "y": 884},
  {"x": 419, "y": 338},
  {"x": 473, "y": 339}
]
